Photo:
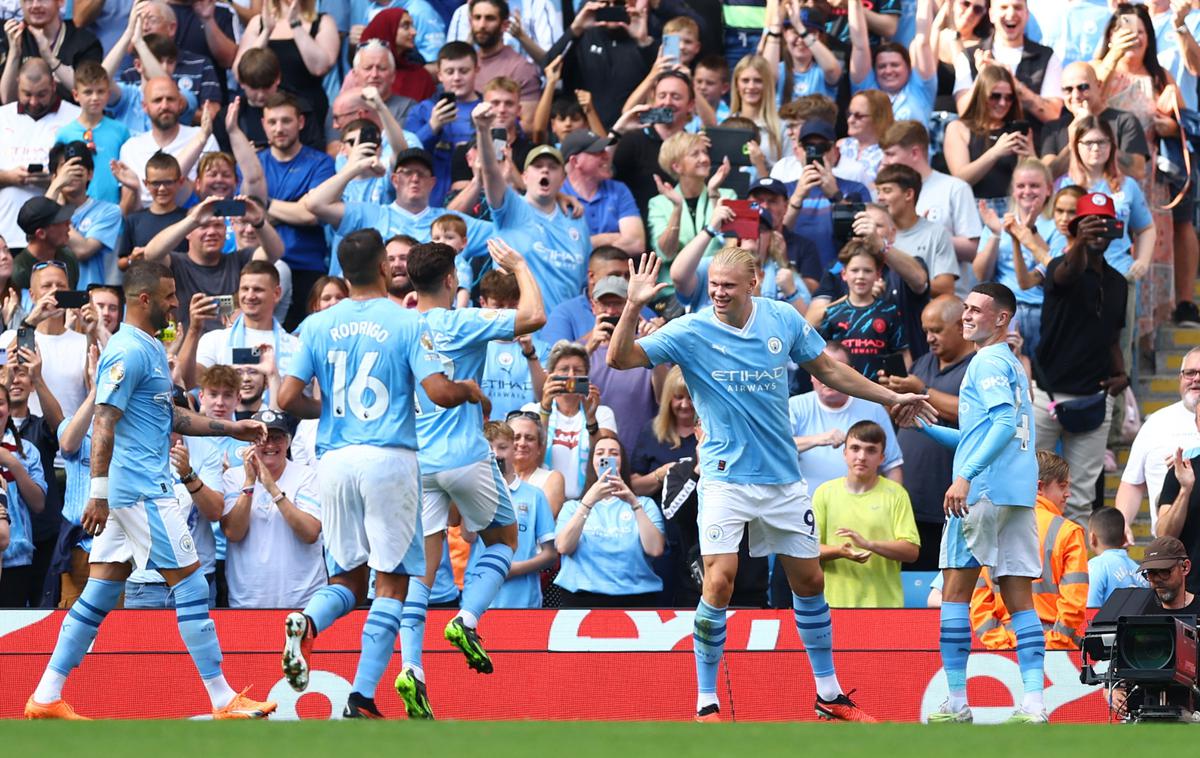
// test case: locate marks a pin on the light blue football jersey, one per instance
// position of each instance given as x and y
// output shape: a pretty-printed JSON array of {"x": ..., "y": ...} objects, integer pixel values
[
  {"x": 555, "y": 245},
  {"x": 133, "y": 377},
  {"x": 993, "y": 379},
  {"x": 367, "y": 356},
  {"x": 739, "y": 382},
  {"x": 453, "y": 437},
  {"x": 79, "y": 480}
]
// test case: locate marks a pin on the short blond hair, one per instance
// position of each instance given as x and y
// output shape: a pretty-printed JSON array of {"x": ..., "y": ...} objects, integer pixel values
[
  {"x": 736, "y": 257},
  {"x": 673, "y": 150}
]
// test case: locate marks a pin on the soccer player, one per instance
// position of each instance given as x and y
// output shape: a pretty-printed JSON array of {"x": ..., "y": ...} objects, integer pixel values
[
  {"x": 734, "y": 357},
  {"x": 457, "y": 464},
  {"x": 990, "y": 504},
  {"x": 146, "y": 526},
  {"x": 367, "y": 354}
]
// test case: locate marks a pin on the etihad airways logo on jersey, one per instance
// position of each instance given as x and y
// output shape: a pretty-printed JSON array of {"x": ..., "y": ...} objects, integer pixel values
[
  {"x": 368, "y": 329},
  {"x": 751, "y": 380}
]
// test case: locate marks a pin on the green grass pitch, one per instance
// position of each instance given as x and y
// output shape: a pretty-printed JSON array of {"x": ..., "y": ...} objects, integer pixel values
[{"x": 578, "y": 739}]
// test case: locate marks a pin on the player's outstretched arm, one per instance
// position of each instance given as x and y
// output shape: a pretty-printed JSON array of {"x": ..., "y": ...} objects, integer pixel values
[
  {"x": 192, "y": 424},
  {"x": 450, "y": 394},
  {"x": 531, "y": 313},
  {"x": 844, "y": 378},
  {"x": 293, "y": 400},
  {"x": 623, "y": 350}
]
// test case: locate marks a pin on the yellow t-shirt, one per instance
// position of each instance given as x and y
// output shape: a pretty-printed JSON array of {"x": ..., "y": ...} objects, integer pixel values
[{"x": 883, "y": 514}]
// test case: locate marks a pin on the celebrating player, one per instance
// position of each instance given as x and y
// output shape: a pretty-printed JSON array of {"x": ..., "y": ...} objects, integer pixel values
[
  {"x": 457, "y": 464},
  {"x": 132, "y": 511},
  {"x": 990, "y": 504},
  {"x": 367, "y": 354},
  {"x": 734, "y": 357}
]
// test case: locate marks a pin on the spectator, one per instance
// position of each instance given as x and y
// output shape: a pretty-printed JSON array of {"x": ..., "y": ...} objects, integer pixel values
[
  {"x": 959, "y": 29},
  {"x": 443, "y": 122},
  {"x": 1079, "y": 356},
  {"x": 273, "y": 524},
  {"x": 983, "y": 147},
  {"x": 753, "y": 98},
  {"x": 710, "y": 78},
  {"x": 1028, "y": 228},
  {"x": 74, "y": 436},
  {"x": 820, "y": 420},
  {"x": 1177, "y": 503},
  {"x": 636, "y": 160},
  {"x": 795, "y": 115},
  {"x": 605, "y": 557},
  {"x": 195, "y": 70},
  {"x": 400, "y": 289},
  {"x": 154, "y": 55},
  {"x": 488, "y": 19},
  {"x": 430, "y": 26},
  {"x": 102, "y": 135},
  {"x": 808, "y": 67},
  {"x": 1072, "y": 29},
  {"x": 667, "y": 438},
  {"x": 868, "y": 118},
  {"x": 46, "y": 226},
  {"x": 106, "y": 305},
  {"x": 1082, "y": 97},
  {"x": 305, "y": 43},
  {"x": 529, "y": 454},
  {"x": 924, "y": 240},
  {"x": 1035, "y": 69},
  {"x": 260, "y": 75},
  {"x": 501, "y": 94},
  {"x": 66, "y": 348},
  {"x": 163, "y": 180},
  {"x": 512, "y": 374},
  {"x": 254, "y": 326},
  {"x": 27, "y": 130},
  {"x": 293, "y": 169},
  {"x": 1060, "y": 597},
  {"x": 608, "y": 205},
  {"x": 865, "y": 527},
  {"x": 559, "y": 245},
  {"x": 1112, "y": 568},
  {"x": 395, "y": 28},
  {"x": 535, "y": 533},
  {"x": 944, "y": 199},
  {"x": 573, "y": 418},
  {"x": 42, "y": 34},
  {"x": 203, "y": 269},
  {"x": 205, "y": 30},
  {"x": 1163, "y": 432},
  {"x": 867, "y": 325},
  {"x": 12, "y": 310},
  {"x": 908, "y": 76},
  {"x": 96, "y": 225},
  {"x": 375, "y": 67},
  {"x": 938, "y": 374},
  {"x": 103, "y": 19},
  {"x": 574, "y": 318},
  {"x": 810, "y": 208},
  {"x": 163, "y": 105},
  {"x": 327, "y": 291},
  {"x": 26, "y": 497},
  {"x": 771, "y": 195}
]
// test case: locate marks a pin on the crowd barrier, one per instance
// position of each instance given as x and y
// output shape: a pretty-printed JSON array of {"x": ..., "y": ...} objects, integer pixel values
[{"x": 550, "y": 665}]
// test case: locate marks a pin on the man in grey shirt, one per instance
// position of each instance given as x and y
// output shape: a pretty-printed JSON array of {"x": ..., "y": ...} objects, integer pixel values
[{"x": 898, "y": 188}]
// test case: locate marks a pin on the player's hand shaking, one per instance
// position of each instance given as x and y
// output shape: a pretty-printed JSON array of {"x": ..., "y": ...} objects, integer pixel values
[
  {"x": 909, "y": 407},
  {"x": 249, "y": 430}
]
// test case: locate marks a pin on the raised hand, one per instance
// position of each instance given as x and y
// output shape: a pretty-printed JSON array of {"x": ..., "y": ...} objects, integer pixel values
[{"x": 644, "y": 286}]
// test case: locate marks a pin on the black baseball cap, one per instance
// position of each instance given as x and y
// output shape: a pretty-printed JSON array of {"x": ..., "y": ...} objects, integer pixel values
[
  {"x": 414, "y": 154},
  {"x": 583, "y": 141},
  {"x": 41, "y": 212},
  {"x": 276, "y": 420}
]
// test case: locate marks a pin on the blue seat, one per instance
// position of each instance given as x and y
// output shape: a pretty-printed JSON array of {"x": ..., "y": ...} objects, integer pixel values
[{"x": 916, "y": 587}]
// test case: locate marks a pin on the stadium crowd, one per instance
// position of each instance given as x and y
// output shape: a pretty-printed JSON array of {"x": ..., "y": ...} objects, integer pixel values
[{"x": 877, "y": 160}]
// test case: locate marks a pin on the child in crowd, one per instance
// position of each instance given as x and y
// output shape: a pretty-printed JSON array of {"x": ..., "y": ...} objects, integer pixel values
[
  {"x": 450, "y": 229},
  {"x": 104, "y": 136},
  {"x": 869, "y": 325},
  {"x": 1112, "y": 568}
]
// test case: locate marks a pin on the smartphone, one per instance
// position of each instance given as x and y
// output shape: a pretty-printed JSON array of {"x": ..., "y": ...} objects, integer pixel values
[
  {"x": 610, "y": 320},
  {"x": 502, "y": 464},
  {"x": 243, "y": 356},
  {"x": 663, "y": 115},
  {"x": 670, "y": 47},
  {"x": 815, "y": 153},
  {"x": 71, "y": 298},
  {"x": 447, "y": 97},
  {"x": 25, "y": 340},
  {"x": 616, "y": 13},
  {"x": 1128, "y": 21},
  {"x": 607, "y": 465},
  {"x": 499, "y": 142},
  {"x": 228, "y": 208},
  {"x": 73, "y": 150},
  {"x": 580, "y": 386},
  {"x": 35, "y": 168},
  {"x": 1020, "y": 127},
  {"x": 1113, "y": 229},
  {"x": 369, "y": 133},
  {"x": 224, "y": 306},
  {"x": 893, "y": 364}
]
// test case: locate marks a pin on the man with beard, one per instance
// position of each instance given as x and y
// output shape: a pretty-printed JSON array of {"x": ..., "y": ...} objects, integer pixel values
[
  {"x": 488, "y": 19},
  {"x": 292, "y": 169},
  {"x": 163, "y": 104},
  {"x": 27, "y": 130},
  {"x": 398, "y": 285},
  {"x": 411, "y": 214}
]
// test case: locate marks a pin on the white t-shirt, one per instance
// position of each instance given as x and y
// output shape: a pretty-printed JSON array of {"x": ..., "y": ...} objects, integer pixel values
[
  {"x": 949, "y": 201},
  {"x": 217, "y": 347},
  {"x": 1010, "y": 58},
  {"x": 64, "y": 366},
  {"x": 24, "y": 141},
  {"x": 1163, "y": 432},
  {"x": 930, "y": 243},
  {"x": 788, "y": 169},
  {"x": 564, "y": 444},
  {"x": 271, "y": 567},
  {"x": 304, "y": 442},
  {"x": 136, "y": 152}
]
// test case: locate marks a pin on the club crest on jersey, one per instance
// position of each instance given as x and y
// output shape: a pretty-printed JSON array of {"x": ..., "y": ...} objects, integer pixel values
[
  {"x": 714, "y": 533},
  {"x": 573, "y": 233},
  {"x": 775, "y": 345},
  {"x": 186, "y": 545},
  {"x": 489, "y": 314},
  {"x": 505, "y": 359}
]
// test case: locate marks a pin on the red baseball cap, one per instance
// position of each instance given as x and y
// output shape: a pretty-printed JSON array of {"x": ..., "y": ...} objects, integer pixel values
[{"x": 1093, "y": 204}]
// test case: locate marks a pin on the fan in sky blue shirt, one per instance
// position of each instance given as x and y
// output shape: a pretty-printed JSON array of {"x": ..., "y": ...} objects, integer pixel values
[
  {"x": 304, "y": 246},
  {"x": 804, "y": 83},
  {"x": 20, "y": 544},
  {"x": 102, "y": 221},
  {"x": 738, "y": 379},
  {"x": 1111, "y": 570},
  {"x": 367, "y": 356},
  {"x": 609, "y": 559},
  {"x": 535, "y": 527},
  {"x": 506, "y": 378},
  {"x": 390, "y": 220},
  {"x": 78, "y": 466},
  {"x": 555, "y": 245},
  {"x": 107, "y": 138},
  {"x": 129, "y": 111},
  {"x": 453, "y": 437},
  {"x": 133, "y": 377},
  {"x": 914, "y": 100},
  {"x": 441, "y": 143}
]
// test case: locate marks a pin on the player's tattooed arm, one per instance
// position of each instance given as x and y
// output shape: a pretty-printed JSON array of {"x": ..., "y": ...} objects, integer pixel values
[{"x": 103, "y": 429}]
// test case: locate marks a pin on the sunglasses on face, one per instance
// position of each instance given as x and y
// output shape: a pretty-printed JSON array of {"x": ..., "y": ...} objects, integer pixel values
[
  {"x": 976, "y": 10},
  {"x": 523, "y": 414},
  {"x": 1080, "y": 88},
  {"x": 1001, "y": 97}
]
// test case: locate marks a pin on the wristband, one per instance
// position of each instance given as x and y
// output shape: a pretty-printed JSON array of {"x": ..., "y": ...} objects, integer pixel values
[
  {"x": 279, "y": 497},
  {"x": 593, "y": 427},
  {"x": 191, "y": 491},
  {"x": 191, "y": 477},
  {"x": 99, "y": 488},
  {"x": 774, "y": 35},
  {"x": 295, "y": 24},
  {"x": 248, "y": 490},
  {"x": 529, "y": 356},
  {"x": 710, "y": 231},
  {"x": 793, "y": 297},
  {"x": 260, "y": 224}
]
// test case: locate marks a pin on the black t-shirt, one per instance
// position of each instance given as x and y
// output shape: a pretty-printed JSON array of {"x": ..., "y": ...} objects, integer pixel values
[
  {"x": 24, "y": 262},
  {"x": 142, "y": 226},
  {"x": 1191, "y": 609},
  {"x": 803, "y": 254},
  {"x": 635, "y": 162},
  {"x": 649, "y": 453},
  {"x": 36, "y": 430},
  {"x": 78, "y": 45},
  {"x": 1190, "y": 534},
  {"x": 220, "y": 279},
  {"x": 189, "y": 33},
  {"x": 609, "y": 64},
  {"x": 1080, "y": 322},
  {"x": 1131, "y": 138}
]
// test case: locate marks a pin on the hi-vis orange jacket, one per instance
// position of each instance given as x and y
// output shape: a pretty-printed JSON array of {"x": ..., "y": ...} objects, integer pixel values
[{"x": 1059, "y": 596}]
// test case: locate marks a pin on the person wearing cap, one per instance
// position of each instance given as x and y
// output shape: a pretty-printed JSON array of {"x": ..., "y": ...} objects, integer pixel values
[
  {"x": 772, "y": 196},
  {"x": 1167, "y": 567},
  {"x": 1079, "y": 355},
  {"x": 409, "y": 214},
  {"x": 608, "y": 205},
  {"x": 45, "y": 226},
  {"x": 574, "y": 318},
  {"x": 555, "y": 245},
  {"x": 809, "y": 211},
  {"x": 272, "y": 519},
  {"x": 96, "y": 225}
]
